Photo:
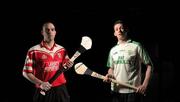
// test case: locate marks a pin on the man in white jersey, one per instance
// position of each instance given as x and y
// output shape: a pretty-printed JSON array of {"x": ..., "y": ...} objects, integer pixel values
[
  {"x": 124, "y": 63},
  {"x": 42, "y": 62}
]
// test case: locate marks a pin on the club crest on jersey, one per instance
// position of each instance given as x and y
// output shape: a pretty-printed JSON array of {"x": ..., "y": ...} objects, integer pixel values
[
  {"x": 44, "y": 57},
  {"x": 59, "y": 55},
  {"x": 130, "y": 52}
]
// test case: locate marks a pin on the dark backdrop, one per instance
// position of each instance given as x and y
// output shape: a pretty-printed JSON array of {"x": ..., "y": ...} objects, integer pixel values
[{"x": 153, "y": 26}]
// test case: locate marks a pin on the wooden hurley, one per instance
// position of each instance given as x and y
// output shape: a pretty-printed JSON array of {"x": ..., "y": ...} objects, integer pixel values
[
  {"x": 82, "y": 69},
  {"x": 86, "y": 44}
]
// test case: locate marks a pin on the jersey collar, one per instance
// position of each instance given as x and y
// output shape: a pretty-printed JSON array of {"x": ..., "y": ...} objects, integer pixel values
[
  {"x": 128, "y": 41},
  {"x": 43, "y": 44}
]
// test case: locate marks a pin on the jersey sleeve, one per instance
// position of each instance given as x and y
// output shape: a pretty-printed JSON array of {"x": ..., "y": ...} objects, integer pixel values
[
  {"x": 28, "y": 65},
  {"x": 144, "y": 56},
  {"x": 110, "y": 61}
]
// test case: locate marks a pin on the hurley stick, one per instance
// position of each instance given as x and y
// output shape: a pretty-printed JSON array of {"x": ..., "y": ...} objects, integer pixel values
[
  {"x": 82, "y": 69},
  {"x": 86, "y": 44}
]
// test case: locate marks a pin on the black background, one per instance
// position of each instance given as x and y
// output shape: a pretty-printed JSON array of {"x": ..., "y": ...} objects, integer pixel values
[{"x": 153, "y": 24}]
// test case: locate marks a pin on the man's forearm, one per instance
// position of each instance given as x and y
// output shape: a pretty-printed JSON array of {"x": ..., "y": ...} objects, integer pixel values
[
  {"x": 147, "y": 75},
  {"x": 32, "y": 78}
]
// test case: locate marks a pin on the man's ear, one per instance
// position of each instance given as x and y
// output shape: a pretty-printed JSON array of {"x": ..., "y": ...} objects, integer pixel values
[
  {"x": 122, "y": 30},
  {"x": 114, "y": 34},
  {"x": 41, "y": 32}
]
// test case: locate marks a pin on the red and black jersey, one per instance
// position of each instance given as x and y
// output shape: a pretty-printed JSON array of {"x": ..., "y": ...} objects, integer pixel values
[{"x": 44, "y": 62}]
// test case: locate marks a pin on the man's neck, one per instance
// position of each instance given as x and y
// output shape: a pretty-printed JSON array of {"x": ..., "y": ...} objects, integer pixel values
[
  {"x": 49, "y": 44},
  {"x": 122, "y": 39}
]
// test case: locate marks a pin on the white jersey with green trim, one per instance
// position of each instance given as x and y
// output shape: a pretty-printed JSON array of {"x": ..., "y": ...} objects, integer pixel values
[{"x": 125, "y": 60}]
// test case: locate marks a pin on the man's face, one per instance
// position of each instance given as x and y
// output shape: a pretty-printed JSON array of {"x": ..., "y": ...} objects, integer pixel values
[
  {"x": 49, "y": 31},
  {"x": 118, "y": 29}
]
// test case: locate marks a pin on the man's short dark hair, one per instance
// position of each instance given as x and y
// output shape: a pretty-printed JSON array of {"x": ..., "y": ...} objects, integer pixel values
[
  {"x": 125, "y": 26},
  {"x": 118, "y": 22}
]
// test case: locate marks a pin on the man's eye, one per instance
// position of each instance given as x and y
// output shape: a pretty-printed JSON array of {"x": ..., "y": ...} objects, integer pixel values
[{"x": 52, "y": 29}]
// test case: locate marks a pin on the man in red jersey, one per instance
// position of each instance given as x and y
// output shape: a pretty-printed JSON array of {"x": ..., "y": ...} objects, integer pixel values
[{"x": 41, "y": 64}]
